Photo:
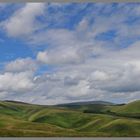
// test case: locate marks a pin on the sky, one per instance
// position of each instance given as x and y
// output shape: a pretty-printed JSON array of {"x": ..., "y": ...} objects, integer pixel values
[{"x": 52, "y": 53}]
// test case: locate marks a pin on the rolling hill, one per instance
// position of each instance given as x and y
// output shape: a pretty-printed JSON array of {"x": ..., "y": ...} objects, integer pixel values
[
  {"x": 92, "y": 119},
  {"x": 133, "y": 107}
]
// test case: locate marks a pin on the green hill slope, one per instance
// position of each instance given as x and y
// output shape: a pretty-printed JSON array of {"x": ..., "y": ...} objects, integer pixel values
[
  {"x": 131, "y": 109},
  {"x": 21, "y": 119}
]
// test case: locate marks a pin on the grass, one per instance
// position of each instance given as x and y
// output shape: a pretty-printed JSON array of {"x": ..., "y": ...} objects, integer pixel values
[{"x": 20, "y": 119}]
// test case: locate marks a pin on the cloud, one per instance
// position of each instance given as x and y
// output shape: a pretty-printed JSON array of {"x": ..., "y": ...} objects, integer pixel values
[
  {"x": 60, "y": 56},
  {"x": 65, "y": 47},
  {"x": 16, "y": 82},
  {"x": 23, "y": 22},
  {"x": 126, "y": 80},
  {"x": 20, "y": 65},
  {"x": 54, "y": 37},
  {"x": 100, "y": 75}
]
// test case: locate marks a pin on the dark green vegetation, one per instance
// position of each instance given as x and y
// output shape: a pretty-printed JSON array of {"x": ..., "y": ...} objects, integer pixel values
[{"x": 75, "y": 119}]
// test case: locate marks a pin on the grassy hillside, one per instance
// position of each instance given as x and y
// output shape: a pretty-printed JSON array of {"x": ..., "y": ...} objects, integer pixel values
[
  {"x": 133, "y": 107},
  {"x": 21, "y": 119}
]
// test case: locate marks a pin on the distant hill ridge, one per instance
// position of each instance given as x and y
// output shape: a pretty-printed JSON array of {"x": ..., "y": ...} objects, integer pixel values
[
  {"x": 72, "y": 103},
  {"x": 89, "y": 102},
  {"x": 12, "y": 101}
]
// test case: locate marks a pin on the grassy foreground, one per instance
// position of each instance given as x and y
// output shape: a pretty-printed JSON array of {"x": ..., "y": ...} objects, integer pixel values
[{"x": 69, "y": 120}]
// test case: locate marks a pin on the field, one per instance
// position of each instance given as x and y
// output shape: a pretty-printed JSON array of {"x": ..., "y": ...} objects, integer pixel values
[{"x": 91, "y": 119}]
